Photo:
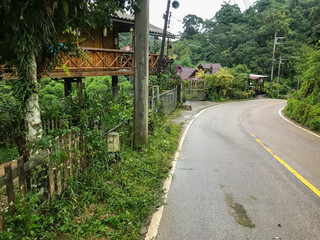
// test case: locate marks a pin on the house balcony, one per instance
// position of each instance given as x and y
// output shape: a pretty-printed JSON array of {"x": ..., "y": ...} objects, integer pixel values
[{"x": 96, "y": 62}]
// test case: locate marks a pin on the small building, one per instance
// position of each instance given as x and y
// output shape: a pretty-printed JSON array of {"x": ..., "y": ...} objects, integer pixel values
[
  {"x": 185, "y": 73},
  {"x": 208, "y": 68},
  {"x": 256, "y": 82}
]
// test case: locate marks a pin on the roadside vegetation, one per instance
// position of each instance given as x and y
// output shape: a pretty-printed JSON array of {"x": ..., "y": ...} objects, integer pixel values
[
  {"x": 112, "y": 199},
  {"x": 114, "y": 196},
  {"x": 98, "y": 102},
  {"x": 304, "y": 105},
  {"x": 226, "y": 84}
]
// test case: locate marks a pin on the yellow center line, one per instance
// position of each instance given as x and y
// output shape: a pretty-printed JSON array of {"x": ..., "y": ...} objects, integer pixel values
[{"x": 287, "y": 166}]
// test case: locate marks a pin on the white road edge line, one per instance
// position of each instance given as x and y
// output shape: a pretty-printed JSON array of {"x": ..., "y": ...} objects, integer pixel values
[
  {"x": 156, "y": 217},
  {"x": 280, "y": 113}
]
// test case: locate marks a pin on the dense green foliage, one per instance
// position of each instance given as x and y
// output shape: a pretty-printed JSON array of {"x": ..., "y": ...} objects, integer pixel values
[
  {"x": 165, "y": 81},
  {"x": 304, "y": 106},
  {"x": 110, "y": 200},
  {"x": 227, "y": 83},
  {"x": 10, "y": 116},
  {"x": 233, "y": 37},
  {"x": 98, "y": 102}
]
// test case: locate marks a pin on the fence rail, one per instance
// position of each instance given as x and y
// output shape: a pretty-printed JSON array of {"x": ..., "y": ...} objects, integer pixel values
[
  {"x": 168, "y": 101},
  {"x": 58, "y": 172}
]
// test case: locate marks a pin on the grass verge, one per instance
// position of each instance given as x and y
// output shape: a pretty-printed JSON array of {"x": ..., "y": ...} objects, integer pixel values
[{"x": 111, "y": 200}]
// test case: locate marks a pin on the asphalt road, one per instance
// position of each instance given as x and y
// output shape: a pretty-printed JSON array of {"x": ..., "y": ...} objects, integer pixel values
[{"x": 228, "y": 186}]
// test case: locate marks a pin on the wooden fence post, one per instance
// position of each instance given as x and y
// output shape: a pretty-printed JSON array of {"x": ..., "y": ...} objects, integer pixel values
[
  {"x": 58, "y": 170},
  {"x": 10, "y": 189},
  {"x": 2, "y": 227},
  {"x": 70, "y": 151},
  {"x": 85, "y": 151},
  {"x": 76, "y": 161},
  {"x": 65, "y": 165},
  {"x": 51, "y": 180},
  {"x": 22, "y": 181}
]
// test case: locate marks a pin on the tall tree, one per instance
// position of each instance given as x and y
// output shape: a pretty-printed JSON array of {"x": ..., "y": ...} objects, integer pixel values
[
  {"x": 192, "y": 25},
  {"x": 30, "y": 41}
]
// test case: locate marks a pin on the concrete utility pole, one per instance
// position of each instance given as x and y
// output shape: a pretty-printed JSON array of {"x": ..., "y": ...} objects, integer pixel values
[
  {"x": 141, "y": 74},
  {"x": 279, "y": 69},
  {"x": 166, "y": 17},
  {"x": 275, "y": 42}
]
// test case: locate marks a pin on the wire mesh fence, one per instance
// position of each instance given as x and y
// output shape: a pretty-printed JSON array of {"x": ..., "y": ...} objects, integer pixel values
[
  {"x": 197, "y": 90},
  {"x": 166, "y": 101}
]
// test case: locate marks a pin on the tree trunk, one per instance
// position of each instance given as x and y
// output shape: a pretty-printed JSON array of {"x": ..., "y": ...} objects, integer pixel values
[
  {"x": 20, "y": 138},
  {"x": 33, "y": 120}
]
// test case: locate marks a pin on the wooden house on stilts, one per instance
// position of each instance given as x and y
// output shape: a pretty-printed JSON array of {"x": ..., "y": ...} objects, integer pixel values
[{"x": 103, "y": 56}]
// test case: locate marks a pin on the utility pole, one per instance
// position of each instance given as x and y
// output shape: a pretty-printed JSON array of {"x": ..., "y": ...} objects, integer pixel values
[
  {"x": 275, "y": 42},
  {"x": 166, "y": 17},
  {"x": 141, "y": 74},
  {"x": 279, "y": 68}
]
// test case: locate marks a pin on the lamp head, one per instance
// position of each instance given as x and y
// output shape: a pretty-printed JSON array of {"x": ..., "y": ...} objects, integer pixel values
[{"x": 175, "y": 4}]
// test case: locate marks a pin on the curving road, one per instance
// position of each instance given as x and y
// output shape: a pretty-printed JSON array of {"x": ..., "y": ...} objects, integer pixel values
[{"x": 234, "y": 179}]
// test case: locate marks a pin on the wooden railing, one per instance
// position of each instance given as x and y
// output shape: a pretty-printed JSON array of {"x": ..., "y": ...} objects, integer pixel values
[
  {"x": 14, "y": 179},
  {"x": 153, "y": 62},
  {"x": 100, "y": 59},
  {"x": 95, "y": 62}
]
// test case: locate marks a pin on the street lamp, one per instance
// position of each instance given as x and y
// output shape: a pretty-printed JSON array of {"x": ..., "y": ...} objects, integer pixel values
[{"x": 175, "y": 5}]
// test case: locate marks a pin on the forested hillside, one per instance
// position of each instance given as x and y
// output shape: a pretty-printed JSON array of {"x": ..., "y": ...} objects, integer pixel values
[{"x": 233, "y": 37}]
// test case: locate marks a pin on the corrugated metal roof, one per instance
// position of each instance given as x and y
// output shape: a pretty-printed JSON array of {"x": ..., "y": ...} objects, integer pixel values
[
  {"x": 153, "y": 30},
  {"x": 255, "y": 76},
  {"x": 124, "y": 16},
  {"x": 215, "y": 66},
  {"x": 186, "y": 72}
]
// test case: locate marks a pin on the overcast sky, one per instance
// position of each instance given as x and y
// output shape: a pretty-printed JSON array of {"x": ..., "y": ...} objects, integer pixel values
[{"x": 202, "y": 8}]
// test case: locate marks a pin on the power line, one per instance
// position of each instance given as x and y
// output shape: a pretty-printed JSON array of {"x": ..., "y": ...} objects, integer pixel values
[{"x": 177, "y": 19}]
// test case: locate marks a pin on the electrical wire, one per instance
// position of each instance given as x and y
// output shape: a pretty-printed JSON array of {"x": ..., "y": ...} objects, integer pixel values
[{"x": 177, "y": 19}]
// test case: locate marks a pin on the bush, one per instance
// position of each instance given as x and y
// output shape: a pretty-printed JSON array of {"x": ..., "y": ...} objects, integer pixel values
[
  {"x": 304, "y": 106},
  {"x": 109, "y": 200}
]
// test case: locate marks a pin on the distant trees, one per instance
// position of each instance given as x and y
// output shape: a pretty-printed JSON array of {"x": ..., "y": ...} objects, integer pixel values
[
  {"x": 192, "y": 25},
  {"x": 233, "y": 37}
]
